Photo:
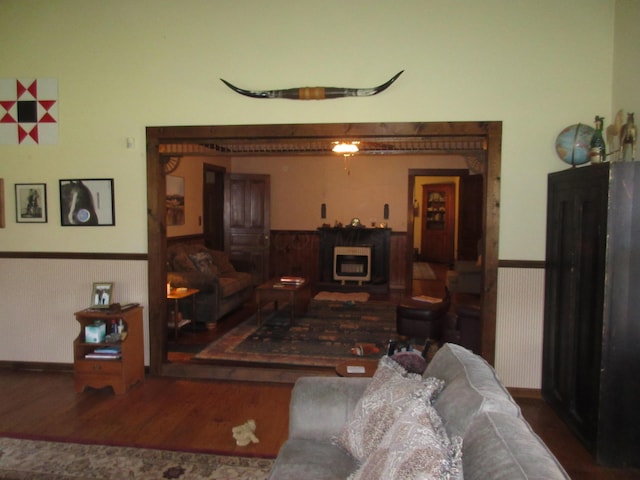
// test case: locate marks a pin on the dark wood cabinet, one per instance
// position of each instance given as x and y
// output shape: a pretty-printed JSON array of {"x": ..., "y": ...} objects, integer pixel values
[
  {"x": 438, "y": 223},
  {"x": 592, "y": 300}
]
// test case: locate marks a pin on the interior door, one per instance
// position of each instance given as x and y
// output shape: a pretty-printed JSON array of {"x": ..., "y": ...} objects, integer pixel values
[
  {"x": 213, "y": 206},
  {"x": 470, "y": 216},
  {"x": 438, "y": 222},
  {"x": 247, "y": 222}
]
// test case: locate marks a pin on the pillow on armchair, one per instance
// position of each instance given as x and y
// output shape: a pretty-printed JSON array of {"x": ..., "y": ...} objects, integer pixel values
[{"x": 204, "y": 263}]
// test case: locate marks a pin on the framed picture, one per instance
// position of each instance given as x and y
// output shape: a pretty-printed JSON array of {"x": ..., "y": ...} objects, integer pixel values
[
  {"x": 175, "y": 200},
  {"x": 31, "y": 203},
  {"x": 1, "y": 203},
  {"x": 101, "y": 295},
  {"x": 87, "y": 202}
]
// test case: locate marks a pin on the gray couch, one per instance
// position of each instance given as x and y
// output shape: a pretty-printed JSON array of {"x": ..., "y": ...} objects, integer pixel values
[
  {"x": 497, "y": 443},
  {"x": 222, "y": 287}
]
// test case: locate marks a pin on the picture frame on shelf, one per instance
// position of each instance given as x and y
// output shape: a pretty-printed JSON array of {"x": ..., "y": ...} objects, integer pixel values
[
  {"x": 87, "y": 202},
  {"x": 31, "y": 202},
  {"x": 101, "y": 294}
]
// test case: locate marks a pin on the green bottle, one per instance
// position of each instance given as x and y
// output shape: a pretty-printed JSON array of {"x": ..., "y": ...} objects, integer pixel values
[{"x": 597, "y": 147}]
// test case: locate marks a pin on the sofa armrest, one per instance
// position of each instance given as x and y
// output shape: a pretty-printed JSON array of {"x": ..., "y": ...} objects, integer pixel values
[
  {"x": 320, "y": 406},
  {"x": 203, "y": 282}
]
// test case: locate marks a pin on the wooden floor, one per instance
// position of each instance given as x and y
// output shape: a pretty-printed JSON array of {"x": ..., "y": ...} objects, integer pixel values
[
  {"x": 190, "y": 415},
  {"x": 197, "y": 415}
]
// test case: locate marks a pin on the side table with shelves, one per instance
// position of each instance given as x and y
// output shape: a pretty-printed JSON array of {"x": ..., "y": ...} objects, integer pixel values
[{"x": 121, "y": 371}]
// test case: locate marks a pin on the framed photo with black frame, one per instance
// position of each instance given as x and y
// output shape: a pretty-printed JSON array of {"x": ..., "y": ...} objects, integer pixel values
[
  {"x": 87, "y": 202},
  {"x": 31, "y": 203}
]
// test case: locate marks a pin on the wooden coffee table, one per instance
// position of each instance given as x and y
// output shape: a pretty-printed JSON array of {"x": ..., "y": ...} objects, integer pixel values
[{"x": 297, "y": 296}]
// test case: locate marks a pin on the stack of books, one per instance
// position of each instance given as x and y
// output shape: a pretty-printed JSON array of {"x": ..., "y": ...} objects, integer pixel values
[
  {"x": 289, "y": 280},
  {"x": 106, "y": 353}
]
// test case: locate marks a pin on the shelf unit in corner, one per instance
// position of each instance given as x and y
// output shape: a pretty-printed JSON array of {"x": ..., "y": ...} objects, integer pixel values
[{"x": 120, "y": 371}]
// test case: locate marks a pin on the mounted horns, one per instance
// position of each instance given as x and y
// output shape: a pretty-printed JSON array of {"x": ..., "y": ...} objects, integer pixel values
[{"x": 314, "y": 93}]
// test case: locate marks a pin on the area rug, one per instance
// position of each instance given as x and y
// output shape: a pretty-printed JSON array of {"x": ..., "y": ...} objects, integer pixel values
[
  {"x": 322, "y": 338},
  {"x": 423, "y": 271},
  {"x": 39, "y": 460}
]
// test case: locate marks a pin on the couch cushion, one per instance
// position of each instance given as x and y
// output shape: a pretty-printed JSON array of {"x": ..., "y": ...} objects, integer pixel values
[
  {"x": 471, "y": 386},
  {"x": 234, "y": 283},
  {"x": 386, "y": 396},
  {"x": 416, "y": 446},
  {"x": 500, "y": 446},
  {"x": 182, "y": 263},
  {"x": 303, "y": 458},
  {"x": 221, "y": 260}
]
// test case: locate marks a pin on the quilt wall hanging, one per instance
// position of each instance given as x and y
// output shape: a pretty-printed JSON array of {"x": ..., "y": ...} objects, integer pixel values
[{"x": 28, "y": 111}]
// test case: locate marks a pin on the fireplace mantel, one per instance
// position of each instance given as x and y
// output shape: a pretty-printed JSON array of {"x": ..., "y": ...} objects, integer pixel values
[{"x": 377, "y": 238}]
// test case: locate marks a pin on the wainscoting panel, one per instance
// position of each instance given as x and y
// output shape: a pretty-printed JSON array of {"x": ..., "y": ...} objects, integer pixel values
[
  {"x": 519, "y": 328},
  {"x": 40, "y": 296}
]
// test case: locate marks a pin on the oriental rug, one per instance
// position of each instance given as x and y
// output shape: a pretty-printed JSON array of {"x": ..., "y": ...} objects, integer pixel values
[
  {"x": 323, "y": 337},
  {"x": 43, "y": 460}
]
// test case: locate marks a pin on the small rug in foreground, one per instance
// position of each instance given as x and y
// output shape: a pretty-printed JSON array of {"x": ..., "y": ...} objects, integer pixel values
[
  {"x": 322, "y": 338},
  {"x": 43, "y": 460}
]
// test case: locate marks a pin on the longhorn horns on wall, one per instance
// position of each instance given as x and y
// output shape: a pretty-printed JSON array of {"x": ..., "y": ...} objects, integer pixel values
[{"x": 314, "y": 93}]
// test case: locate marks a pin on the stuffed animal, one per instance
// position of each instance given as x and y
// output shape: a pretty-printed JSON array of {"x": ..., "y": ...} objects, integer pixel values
[{"x": 244, "y": 434}]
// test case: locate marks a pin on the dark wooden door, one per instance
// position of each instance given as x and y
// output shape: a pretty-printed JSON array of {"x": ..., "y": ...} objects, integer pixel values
[
  {"x": 438, "y": 222},
  {"x": 247, "y": 222},
  {"x": 213, "y": 206},
  {"x": 470, "y": 216}
]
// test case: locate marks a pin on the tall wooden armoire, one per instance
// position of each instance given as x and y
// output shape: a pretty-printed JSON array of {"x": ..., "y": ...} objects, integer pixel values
[{"x": 591, "y": 358}]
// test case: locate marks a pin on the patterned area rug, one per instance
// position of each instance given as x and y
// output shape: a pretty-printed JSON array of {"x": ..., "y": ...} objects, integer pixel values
[
  {"x": 322, "y": 338},
  {"x": 41, "y": 460}
]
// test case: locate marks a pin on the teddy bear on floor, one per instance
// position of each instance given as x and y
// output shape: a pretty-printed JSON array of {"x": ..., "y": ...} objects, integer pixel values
[{"x": 244, "y": 434}]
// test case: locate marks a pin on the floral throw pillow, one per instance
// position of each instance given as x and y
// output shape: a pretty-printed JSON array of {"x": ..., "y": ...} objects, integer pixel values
[
  {"x": 386, "y": 396},
  {"x": 416, "y": 447}
]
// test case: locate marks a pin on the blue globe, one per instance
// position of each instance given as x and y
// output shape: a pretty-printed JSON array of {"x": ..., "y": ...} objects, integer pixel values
[{"x": 572, "y": 144}]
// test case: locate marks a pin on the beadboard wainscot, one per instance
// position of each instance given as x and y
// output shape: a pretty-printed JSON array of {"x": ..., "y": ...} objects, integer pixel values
[{"x": 47, "y": 288}]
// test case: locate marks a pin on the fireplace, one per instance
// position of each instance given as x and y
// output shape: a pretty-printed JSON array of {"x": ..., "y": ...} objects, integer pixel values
[
  {"x": 354, "y": 259},
  {"x": 352, "y": 263}
]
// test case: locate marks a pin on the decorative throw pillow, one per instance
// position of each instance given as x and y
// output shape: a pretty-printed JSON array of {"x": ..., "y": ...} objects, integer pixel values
[
  {"x": 386, "y": 396},
  {"x": 221, "y": 260},
  {"x": 416, "y": 447},
  {"x": 412, "y": 361},
  {"x": 182, "y": 263},
  {"x": 203, "y": 262}
]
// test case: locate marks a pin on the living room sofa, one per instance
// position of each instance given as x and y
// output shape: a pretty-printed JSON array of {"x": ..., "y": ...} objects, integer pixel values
[
  {"x": 222, "y": 287},
  {"x": 473, "y": 405}
]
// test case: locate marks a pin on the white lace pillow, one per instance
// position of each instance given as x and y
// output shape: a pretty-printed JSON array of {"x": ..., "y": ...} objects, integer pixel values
[
  {"x": 416, "y": 447},
  {"x": 390, "y": 390}
]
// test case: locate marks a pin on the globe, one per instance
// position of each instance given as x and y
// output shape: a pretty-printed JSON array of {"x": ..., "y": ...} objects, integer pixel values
[{"x": 572, "y": 144}]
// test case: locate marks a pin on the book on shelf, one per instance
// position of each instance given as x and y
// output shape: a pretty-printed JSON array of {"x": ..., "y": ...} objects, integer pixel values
[
  {"x": 106, "y": 353},
  {"x": 103, "y": 356}
]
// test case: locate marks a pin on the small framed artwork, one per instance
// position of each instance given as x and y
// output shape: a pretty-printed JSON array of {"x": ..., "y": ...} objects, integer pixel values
[
  {"x": 175, "y": 200},
  {"x": 31, "y": 203},
  {"x": 87, "y": 202},
  {"x": 1, "y": 202},
  {"x": 101, "y": 295}
]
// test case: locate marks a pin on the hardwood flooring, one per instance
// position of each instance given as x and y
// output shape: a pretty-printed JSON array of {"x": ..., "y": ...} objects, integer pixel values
[{"x": 194, "y": 415}]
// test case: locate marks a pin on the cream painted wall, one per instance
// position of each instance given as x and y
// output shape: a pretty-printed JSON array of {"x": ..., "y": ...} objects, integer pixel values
[{"x": 124, "y": 65}]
